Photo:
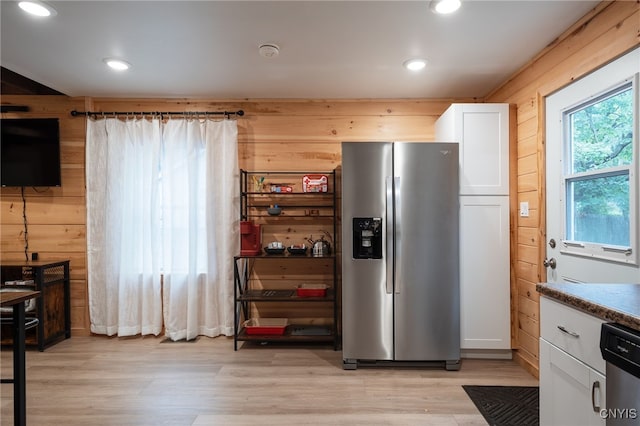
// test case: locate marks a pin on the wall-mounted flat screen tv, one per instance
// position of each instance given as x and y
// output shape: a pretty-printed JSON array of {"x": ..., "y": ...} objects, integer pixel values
[{"x": 30, "y": 152}]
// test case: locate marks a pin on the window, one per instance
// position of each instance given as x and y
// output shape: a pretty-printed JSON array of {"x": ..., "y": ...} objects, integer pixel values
[
  {"x": 600, "y": 166},
  {"x": 183, "y": 214}
]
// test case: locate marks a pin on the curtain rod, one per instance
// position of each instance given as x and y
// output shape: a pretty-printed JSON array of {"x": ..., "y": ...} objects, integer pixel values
[{"x": 75, "y": 113}]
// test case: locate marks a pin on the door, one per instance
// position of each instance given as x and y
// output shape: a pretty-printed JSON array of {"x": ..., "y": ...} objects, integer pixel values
[
  {"x": 592, "y": 177},
  {"x": 367, "y": 296},
  {"x": 426, "y": 305}
]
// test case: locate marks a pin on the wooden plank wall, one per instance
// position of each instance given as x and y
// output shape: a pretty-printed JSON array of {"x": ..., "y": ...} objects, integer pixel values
[
  {"x": 296, "y": 135},
  {"x": 56, "y": 217},
  {"x": 302, "y": 135},
  {"x": 607, "y": 32}
]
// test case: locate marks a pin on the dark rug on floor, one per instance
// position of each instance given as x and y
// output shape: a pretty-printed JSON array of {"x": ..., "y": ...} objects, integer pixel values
[{"x": 506, "y": 405}]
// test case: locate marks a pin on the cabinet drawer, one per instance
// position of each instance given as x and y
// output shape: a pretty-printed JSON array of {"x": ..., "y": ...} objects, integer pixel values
[{"x": 572, "y": 331}]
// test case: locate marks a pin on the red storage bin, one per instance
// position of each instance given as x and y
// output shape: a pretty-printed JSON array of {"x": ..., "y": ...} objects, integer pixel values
[
  {"x": 312, "y": 290},
  {"x": 271, "y": 326}
]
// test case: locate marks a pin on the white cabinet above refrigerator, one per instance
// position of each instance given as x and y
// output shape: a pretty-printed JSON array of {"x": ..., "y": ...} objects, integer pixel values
[{"x": 483, "y": 133}]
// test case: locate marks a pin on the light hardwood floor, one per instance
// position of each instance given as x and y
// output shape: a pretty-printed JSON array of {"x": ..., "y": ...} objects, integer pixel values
[{"x": 148, "y": 381}]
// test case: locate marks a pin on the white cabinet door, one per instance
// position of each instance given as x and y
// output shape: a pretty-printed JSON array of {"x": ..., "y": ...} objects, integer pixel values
[
  {"x": 485, "y": 321},
  {"x": 482, "y": 130},
  {"x": 571, "y": 393}
]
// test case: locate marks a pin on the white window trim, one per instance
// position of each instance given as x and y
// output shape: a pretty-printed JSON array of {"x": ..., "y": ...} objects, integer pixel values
[{"x": 613, "y": 253}]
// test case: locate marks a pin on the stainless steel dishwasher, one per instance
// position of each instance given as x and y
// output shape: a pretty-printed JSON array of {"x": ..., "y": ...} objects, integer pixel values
[{"x": 620, "y": 347}]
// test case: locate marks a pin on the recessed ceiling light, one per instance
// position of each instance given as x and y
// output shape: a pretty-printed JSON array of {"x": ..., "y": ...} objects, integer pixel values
[
  {"x": 37, "y": 8},
  {"x": 117, "y": 64},
  {"x": 415, "y": 64},
  {"x": 444, "y": 7}
]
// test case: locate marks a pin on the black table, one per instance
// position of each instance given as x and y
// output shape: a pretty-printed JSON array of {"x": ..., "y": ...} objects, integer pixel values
[{"x": 16, "y": 300}]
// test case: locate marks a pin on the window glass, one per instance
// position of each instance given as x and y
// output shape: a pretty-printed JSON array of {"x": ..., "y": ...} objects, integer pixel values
[
  {"x": 601, "y": 134},
  {"x": 598, "y": 210},
  {"x": 599, "y": 155}
]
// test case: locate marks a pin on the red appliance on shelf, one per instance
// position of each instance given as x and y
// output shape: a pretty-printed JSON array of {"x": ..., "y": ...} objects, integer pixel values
[{"x": 249, "y": 239}]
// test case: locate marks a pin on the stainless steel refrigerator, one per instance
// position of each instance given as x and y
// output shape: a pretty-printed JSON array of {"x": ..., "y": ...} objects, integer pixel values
[{"x": 400, "y": 274}]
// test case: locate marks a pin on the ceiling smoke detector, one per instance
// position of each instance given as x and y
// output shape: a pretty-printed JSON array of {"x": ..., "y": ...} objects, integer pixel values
[{"x": 269, "y": 50}]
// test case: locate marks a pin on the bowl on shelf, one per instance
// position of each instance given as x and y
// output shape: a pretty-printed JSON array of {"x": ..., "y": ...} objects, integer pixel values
[
  {"x": 274, "y": 211},
  {"x": 297, "y": 249},
  {"x": 274, "y": 247},
  {"x": 270, "y": 250}
]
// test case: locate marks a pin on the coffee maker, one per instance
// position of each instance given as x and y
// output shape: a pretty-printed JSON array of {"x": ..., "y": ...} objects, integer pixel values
[{"x": 250, "y": 244}]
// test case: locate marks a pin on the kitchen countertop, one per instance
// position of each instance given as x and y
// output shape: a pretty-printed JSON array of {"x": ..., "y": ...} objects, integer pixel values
[{"x": 618, "y": 303}]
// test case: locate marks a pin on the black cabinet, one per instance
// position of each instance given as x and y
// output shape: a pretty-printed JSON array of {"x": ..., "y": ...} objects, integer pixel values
[
  {"x": 52, "y": 308},
  {"x": 288, "y": 294}
]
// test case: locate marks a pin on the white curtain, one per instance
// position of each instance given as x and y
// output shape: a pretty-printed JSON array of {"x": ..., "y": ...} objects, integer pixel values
[
  {"x": 200, "y": 226},
  {"x": 124, "y": 280},
  {"x": 162, "y": 201}
]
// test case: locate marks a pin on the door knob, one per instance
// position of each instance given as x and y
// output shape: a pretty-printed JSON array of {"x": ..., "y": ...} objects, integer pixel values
[{"x": 550, "y": 263}]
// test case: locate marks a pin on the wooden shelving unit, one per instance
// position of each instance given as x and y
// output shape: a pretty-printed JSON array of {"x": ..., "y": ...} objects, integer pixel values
[{"x": 301, "y": 211}]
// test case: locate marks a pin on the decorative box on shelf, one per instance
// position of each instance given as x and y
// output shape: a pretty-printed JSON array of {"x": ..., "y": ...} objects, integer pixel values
[{"x": 315, "y": 183}]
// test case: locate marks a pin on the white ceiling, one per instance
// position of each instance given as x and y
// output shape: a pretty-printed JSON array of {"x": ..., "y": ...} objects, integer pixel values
[{"x": 328, "y": 49}]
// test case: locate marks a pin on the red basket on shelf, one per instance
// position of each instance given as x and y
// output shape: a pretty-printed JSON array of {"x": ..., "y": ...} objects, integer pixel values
[
  {"x": 312, "y": 290},
  {"x": 271, "y": 326}
]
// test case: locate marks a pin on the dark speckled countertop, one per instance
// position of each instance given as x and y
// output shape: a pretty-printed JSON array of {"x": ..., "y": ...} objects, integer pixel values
[{"x": 611, "y": 302}]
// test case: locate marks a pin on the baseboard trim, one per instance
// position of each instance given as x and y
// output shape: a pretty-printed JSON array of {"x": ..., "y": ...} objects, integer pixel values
[
  {"x": 486, "y": 353},
  {"x": 526, "y": 364}
]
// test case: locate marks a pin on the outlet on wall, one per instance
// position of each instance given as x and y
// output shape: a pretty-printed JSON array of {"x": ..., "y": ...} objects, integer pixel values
[{"x": 524, "y": 209}]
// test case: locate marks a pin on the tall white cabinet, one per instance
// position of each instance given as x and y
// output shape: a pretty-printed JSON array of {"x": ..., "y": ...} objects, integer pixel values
[{"x": 482, "y": 130}]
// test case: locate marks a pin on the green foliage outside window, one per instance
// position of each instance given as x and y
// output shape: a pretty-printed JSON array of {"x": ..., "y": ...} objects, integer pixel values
[{"x": 601, "y": 141}]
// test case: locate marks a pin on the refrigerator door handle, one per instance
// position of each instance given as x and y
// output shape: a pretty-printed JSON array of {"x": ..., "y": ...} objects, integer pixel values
[
  {"x": 397, "y": 233},
  {"x": 389, "y": 233}
]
